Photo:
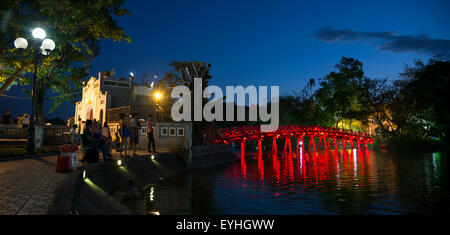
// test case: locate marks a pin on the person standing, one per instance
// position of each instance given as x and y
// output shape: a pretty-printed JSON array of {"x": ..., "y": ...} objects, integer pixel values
[
  {"x": 25, "y": 121},
  {"x": 83, "y": 126},
  {"x": 19, "y": 121},
  {"x": 6, "y": 118},
  {"x": 90, "y": 144},
  {"x": 105, "y": 142},
  {"x": 135, "y": 128},
  {"x": 151, "y": 139},
  {"x": 124, "y": 133},
  {"x": 74, "y": 137}
]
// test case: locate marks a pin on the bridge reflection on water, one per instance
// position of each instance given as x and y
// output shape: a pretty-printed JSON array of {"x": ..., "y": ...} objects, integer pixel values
[
  {"x": 313, "y": 182},
  {"x": 308, "y": 167}
]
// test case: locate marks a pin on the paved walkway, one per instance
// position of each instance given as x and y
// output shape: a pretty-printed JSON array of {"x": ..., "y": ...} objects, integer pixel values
[{"x": 28, "y": 186}]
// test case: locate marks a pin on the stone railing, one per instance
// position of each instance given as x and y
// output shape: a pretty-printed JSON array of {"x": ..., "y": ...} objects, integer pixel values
[{"x": 53, "y": 135}]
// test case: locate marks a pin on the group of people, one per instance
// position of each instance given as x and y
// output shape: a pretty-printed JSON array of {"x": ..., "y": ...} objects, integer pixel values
[
  {"x": 95, "y": 136},
  {"x": 21, "y": 121}
]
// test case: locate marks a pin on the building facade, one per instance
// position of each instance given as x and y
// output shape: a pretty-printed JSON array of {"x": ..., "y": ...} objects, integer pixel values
[{"x": 106, "y": 98}]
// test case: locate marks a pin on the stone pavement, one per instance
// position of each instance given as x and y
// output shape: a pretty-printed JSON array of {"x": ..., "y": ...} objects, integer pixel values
[{"x": 28, "y": 186}]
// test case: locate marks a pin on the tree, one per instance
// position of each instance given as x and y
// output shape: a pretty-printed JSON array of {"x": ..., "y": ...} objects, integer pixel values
[
  {"x": 77, "y": 27},
  {"x": 425, "y": 91},
  {"x": 343, "y": 96},
  {"x": 311, "y": 84},
  {"x": 183, "y": 73}
]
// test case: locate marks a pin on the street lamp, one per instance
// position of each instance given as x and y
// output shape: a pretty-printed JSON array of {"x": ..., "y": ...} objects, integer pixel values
[
  {"x": 42, "y": 46},
  {"x": 158, "y": 96}
]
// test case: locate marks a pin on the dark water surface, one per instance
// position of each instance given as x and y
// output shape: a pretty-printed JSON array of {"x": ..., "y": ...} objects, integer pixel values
[{"x": 329, "y": 182}]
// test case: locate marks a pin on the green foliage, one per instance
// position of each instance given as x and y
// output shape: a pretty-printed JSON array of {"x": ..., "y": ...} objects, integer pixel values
[
  {"x": 183, "y": 73},
  {"x": 76, "y": 26},
  {"x": 425, "y": 91},
  {"x": 343, "y": 97},
  {"x": 412, "y": 113}
]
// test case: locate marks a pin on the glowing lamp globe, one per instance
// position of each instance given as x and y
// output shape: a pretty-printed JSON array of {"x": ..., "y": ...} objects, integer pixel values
[
  {"x": 44, "y": 52},
  {"x": 38, "y": 33},
  {"x": 158, "y": 95},
  {"x": 21, "y": 43},
  {"x": 48, "y": 44}
]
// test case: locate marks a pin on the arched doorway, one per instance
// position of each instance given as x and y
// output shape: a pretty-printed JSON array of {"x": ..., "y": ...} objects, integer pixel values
[{"x": 90, "y": 114}]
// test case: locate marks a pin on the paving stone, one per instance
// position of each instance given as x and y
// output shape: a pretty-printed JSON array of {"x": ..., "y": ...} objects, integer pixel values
[{"x": 28, "y": 186}]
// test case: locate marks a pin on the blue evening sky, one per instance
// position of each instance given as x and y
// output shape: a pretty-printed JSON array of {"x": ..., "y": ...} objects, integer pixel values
[{"x": 261, "y": 42}]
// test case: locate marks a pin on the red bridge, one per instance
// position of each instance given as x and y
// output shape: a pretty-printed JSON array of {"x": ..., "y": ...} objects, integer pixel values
[{"x": 325, "y": 135}]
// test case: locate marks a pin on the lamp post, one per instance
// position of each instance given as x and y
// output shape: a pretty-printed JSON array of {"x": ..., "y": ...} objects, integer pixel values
[
  {"x": 42, "y": 46},
  {"x": 158, "y": 96}
]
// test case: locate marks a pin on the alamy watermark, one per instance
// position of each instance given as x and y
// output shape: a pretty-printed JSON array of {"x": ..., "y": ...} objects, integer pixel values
[{"x": 213, "y": 109}]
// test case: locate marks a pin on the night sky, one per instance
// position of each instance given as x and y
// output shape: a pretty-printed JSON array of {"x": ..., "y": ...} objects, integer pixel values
[{"x": 282, "y": 43}]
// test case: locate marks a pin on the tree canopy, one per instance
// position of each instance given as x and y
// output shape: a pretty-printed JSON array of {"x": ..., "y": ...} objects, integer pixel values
[{"x": 76, "y": 26}]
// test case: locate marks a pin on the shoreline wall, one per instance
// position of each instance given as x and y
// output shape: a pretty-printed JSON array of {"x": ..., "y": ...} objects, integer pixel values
[{"x": 106, "y": 184}]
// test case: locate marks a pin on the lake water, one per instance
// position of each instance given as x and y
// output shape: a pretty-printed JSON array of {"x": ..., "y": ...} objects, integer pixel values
[{"x": 329, "y": 182}]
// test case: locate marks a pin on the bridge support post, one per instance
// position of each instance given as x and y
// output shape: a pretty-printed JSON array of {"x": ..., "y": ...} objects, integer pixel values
[
  {"x": 336, "y": 144},
  {"x": 359, "y": 147},
  {"x": 329, "y": 143},
  {"x": 274, "y": 145},
  {"x": 351, "y": 143},
  {"x": 344, "y": 143},
  {"x": 287, "y": 144},
  {"x": 242, "y": 148},
  {"x": 313, "y": 143},
  {"x": 325, "y": 143},
  {"x": 290, "y": 147},
  {"x": 259, "y": 146}
]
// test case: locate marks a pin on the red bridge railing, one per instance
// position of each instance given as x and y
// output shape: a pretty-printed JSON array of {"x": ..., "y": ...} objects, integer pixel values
[{"x": 324, "y": 134}]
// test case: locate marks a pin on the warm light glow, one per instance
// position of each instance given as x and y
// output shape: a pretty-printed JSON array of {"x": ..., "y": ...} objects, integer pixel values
[
  {"x": 154, "y": 212},
  {"x": 84, "y": 174},
  {"x": 153, "y": 157},
  {"x": 39, "y": 33},
  {"x": 119, "y": 162},
  {"x": 21, "y": 43},
  {"x": 158, "y": 95},
  {"x": 151, "y": 194},
  {"x": 43, "y": 51}
]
